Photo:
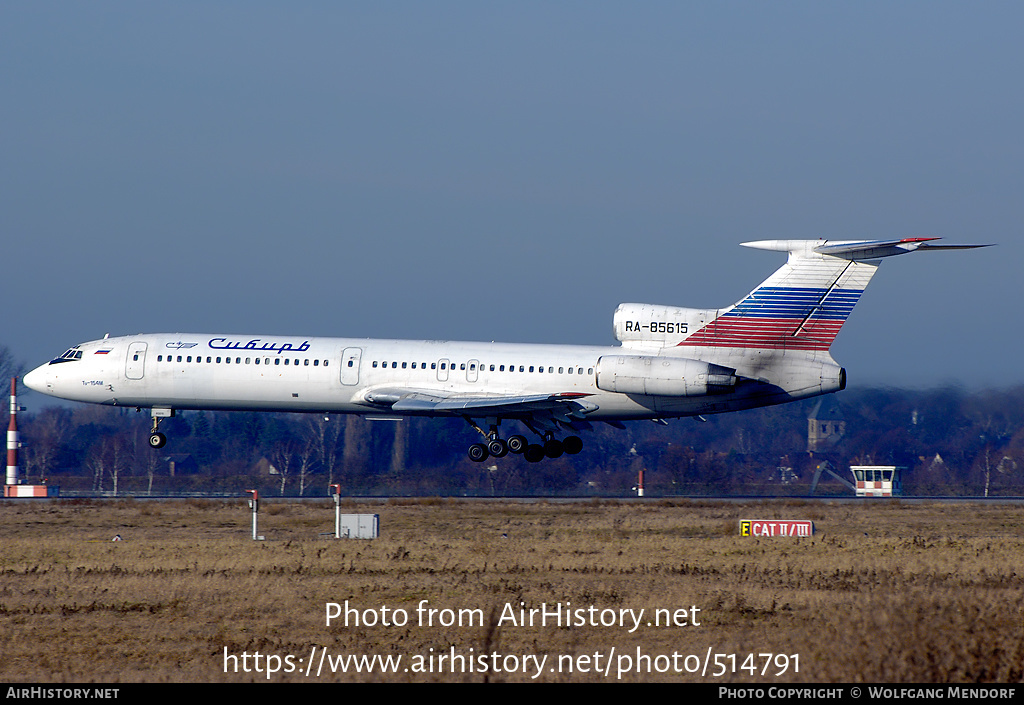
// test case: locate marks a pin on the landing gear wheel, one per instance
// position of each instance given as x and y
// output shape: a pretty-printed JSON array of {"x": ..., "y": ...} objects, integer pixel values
[
  {"x": 516, "y": 444},
  {"x": 553, "y": 448},
  {"x": 534, "y": 453},
  {"x": 157, "y": 440},
  {"x": 477, "y": 453},
  {"x": 497, "y": 448},
  {"x": 572, "y": 445}
]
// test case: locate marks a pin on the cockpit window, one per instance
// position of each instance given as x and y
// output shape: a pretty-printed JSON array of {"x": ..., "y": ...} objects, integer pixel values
[{"x": 70, "y": 355}]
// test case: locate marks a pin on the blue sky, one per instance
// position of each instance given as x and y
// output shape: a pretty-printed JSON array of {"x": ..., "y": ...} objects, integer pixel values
[{"x": 507, "y": 171}]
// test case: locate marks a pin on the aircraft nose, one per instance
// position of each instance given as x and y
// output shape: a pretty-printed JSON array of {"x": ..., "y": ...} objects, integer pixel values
[{"x": 36, "y": 379}]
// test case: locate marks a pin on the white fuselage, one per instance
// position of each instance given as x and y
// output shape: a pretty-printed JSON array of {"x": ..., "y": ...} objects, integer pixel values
[{"x": 340, "y": 375}]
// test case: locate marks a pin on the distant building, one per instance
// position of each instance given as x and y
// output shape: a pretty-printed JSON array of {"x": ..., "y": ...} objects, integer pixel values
[
  {"x": 826, "y": 425},
  {"x": 181, "y": 464}
]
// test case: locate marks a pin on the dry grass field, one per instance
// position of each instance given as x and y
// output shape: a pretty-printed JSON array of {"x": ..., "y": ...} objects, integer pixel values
[{"x": 883, "y": 592}]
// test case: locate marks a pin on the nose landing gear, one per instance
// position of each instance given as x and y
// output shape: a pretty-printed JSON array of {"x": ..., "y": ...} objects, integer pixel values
[{"x": 157, "y": 439}]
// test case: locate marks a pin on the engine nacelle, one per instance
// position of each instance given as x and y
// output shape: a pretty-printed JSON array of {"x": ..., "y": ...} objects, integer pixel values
[{"x": 663, "y": 376}]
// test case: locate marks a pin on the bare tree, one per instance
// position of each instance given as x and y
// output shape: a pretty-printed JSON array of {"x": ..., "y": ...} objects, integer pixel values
[
  {"x": 108, "y": 457},
  {"x": 146, "y": 458},
  {"x": 323, "y": 433},
  {"x": 44, "y": 435},
  {"x": 304, "y": 457},
  {"x": 281, "y": 456},
  {"x": 8, "y": 366},
  {"x": 357, "y": 434}
]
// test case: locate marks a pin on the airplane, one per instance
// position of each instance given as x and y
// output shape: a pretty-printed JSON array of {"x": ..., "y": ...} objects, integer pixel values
[{"x": 771, "y": 347}]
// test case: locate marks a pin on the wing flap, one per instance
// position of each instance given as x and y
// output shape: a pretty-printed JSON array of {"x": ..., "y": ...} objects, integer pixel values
[{"x": 568, "y": 404}]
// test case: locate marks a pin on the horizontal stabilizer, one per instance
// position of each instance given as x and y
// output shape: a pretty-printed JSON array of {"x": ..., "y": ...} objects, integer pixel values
[
  {"x": 874, "y": 249},
  {"x": 855, "y": 249}
]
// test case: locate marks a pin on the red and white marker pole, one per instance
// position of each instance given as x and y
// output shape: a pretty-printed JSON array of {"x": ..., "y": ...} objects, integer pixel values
[
  {"x": 12, "y": 437},
  {"x": 335, "y": 491},
  {"x": 254, "y": 504}
]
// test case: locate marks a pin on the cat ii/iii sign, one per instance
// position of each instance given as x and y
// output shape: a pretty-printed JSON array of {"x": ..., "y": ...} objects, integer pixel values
[{"x": 776, "y": 527}]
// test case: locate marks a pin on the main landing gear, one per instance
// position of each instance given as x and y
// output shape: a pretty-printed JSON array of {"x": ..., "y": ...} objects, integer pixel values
[{"x": 532, "y": 452}]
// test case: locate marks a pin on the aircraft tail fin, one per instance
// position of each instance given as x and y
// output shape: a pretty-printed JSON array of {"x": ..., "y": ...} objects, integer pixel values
[{"x": 804, "y": 303}]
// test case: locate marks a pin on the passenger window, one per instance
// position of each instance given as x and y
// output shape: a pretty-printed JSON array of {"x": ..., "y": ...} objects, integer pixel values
[
  {"x": 405, "y": 365},
  {"x": 394, "y": 365},
  {"x": 531, "y": 368},
  {"x": 247, "y": 360},
  {"x": 570, "y": 370},
  {"x": 306, "y": 362},
  {"x": 159, "y": 358},
  {"x": 590, "y": 370},
  {"x": 277, "y": 361},
  {"x": 521, "y": 368},
  {"x": 179, "y": 358},
  {"x": 560, "y": 370},
  {"x": 218, "y": 360},
  {"x": 257, "y": 361},
  {"x": 326, "y": 361},
  {"x": 501, "y": 368},
  {"x": 349, "y": 363},
  {"x": 238, "y": 361},
  {"x": 433, "y": 366},
  {"x": 208, "y": 358},
  {"x": 492, "y": 368}
]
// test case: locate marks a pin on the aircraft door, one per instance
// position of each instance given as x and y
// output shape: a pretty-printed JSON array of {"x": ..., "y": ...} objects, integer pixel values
[
  {"x": 135, "y": 362},
  {"x": 442, "y": 370},
  {"x": 472, "y": 369},
  {"x": 350, "y": 365}
]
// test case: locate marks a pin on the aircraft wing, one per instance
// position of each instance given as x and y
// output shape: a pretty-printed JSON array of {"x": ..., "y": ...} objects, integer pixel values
[{"x": 541, "y": 410}]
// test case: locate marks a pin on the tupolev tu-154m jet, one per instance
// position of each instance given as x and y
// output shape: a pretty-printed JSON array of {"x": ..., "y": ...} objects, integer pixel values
[{"x": 771, "y": 347}]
